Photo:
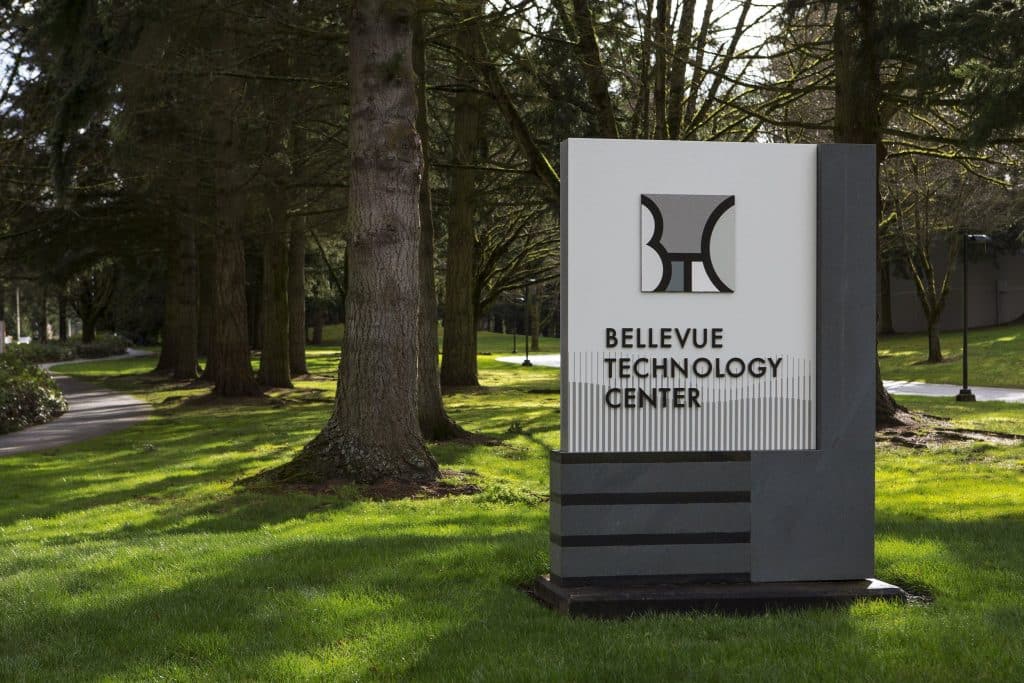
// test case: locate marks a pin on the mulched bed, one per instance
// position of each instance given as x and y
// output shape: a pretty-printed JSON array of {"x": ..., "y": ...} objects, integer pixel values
[{"x": 918, "y": 430}]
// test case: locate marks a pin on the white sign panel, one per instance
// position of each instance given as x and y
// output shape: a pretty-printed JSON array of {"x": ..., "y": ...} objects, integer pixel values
[{"x": 689, "y": 310}]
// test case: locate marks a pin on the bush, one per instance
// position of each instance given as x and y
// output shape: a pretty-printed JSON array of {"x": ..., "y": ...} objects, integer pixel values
[
  {"x": 50, "y": 352},
  {"x": 28, "y": 395},
  {"x": 58, "y": 352},
  {"x": 103, "y": 346}
]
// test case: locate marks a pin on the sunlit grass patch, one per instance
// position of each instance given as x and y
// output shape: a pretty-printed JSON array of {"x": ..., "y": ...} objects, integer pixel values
[
  {"x": 994, "y": 355},
  {"x": 135, "y": 557}
]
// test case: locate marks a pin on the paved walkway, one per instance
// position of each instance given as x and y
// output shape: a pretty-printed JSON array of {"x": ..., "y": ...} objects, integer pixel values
[
  {"x": 906, "y": 387},
  {"x": 92, "y": 412},
  {"x": 899, "y": 387}
]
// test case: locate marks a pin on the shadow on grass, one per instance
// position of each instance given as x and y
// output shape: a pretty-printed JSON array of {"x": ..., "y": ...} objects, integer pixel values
[
  {"x": 433, "y": 595},
  {"x": 163, "y": 458},
  {"x": 234, "y": 612}
]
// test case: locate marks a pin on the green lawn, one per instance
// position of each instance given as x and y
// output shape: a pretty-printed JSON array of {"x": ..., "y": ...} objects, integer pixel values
[
  {"x": 996, "y": 357},
  {"x": 132, "y": 557},
  {"x": 487, "y": 343},
  {"x": 997, "y": 354}
]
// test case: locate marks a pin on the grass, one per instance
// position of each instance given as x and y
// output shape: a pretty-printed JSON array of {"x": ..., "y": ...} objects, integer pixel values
[
  {"x": 488, "y": 343},
  {"x": 995, "y": 357},
  {"x": 995, "y": 361},
  {"x": 132, "y": 557}
]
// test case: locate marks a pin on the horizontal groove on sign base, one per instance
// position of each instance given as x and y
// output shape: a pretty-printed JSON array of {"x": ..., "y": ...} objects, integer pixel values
[
  {"x": 657, "y": 518},
  {"x": 650, "y": 514},
  {"x": 629, "y": 458}
]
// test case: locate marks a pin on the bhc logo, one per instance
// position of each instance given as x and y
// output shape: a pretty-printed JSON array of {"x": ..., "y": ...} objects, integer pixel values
[{"x": 688, "y": 243}]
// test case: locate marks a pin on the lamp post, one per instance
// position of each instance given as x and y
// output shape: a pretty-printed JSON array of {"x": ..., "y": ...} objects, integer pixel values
[
  {"x": 526, "y": 338},
  {"x": 515, "y": 323},
  {"x": 965, "y": 393}
]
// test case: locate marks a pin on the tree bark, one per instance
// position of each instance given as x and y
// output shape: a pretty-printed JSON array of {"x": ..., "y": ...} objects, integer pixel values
[
  {"x": 885, "y": 405},
  {"x": 233, "y": 375},
  {"x": 275, "y": 360},
  {"x": 62, "y": 315},
  {"x": 435, "y": 423},
  {"x": 934, "y": 343},
  {"x": 885, "y": 324},
  {"x": 661, "y": 51},
  {"x": 677, "y": 75},
  {"x": 41, "y": 317},
  {"x": 318, "y": 325},
  {"x": 229, "y": 352},
  {"x": 179, "y": 352},
  {"x": 458, "y": 363},
  {"x": 297, "y": 297},
  {"x": 374, "y": 431},
  {"x": 207, "y": 308},
  {"x": 594, "y": 74}
]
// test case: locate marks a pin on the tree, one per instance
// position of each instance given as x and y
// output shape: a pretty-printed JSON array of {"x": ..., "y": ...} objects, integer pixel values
[
  {"x": 929, "y": 203},
  {"x": 458, "y": 363},
  {"x": 374, "y": 430},
  {"x": 91, "y": 293},
  {"x": 435, "y": 423},
  {"x": 179, "y": 352},
  {"x": 858, "y": 112},
  {"x": 921, "y": 220}
]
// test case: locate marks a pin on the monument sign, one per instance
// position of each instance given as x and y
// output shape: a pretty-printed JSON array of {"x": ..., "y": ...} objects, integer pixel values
[{"x": 717, "y": 421}]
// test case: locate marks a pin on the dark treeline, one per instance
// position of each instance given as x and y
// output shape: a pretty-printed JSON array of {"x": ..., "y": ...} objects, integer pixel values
[{"x": 222, "y": 177}]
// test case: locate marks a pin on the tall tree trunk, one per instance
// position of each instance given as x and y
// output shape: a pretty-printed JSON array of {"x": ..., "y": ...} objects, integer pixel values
[
  {"x": 374, "y": 431},
  {"x": 661, "y": 52},
  {"x": 318, "y": 325},
  {"x": 592, "y": 66},
  {"x": 435, "y": 424},
  {"x": 934, "y": 343},
  {"x": 275, "y": 361},
  {"x": 41, "y": 324},
  {"x": 297, "y": 297},
  {"x": 169, "y": 333},
  {"x": 858, "y": 96},
  {"x": 677, "y": 76},
  {"x": 230, "y": 358},
  {"x": 62, "y": 314},
  {"x": 458, "y": 363},
  {"x": 233, "y": 375},
  {"x": 179, "y": 353},
  {"x": 207, "y": 308},
  {"x": 186, "y": 361},
  {"x": 885, "y": 324}
]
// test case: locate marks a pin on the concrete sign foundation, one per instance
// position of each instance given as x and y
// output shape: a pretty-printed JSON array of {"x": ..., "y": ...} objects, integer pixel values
[{"x": 718, "y": 320}]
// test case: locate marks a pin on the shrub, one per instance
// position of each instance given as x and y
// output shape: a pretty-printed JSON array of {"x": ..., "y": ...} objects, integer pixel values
[
  {"x": 50, "y": 352},
  {"x": 58, "y": 352},
  {"x": 103, "y": 346},
  {"x": 28, "y": 395}
]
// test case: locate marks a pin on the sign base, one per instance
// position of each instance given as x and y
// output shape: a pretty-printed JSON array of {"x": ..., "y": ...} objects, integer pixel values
[{"x": 604, "y": 601}]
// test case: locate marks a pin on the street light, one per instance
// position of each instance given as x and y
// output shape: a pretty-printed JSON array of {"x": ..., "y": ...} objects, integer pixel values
[
  {"x": 526, "y": 340},
  {"x": 515, "y": 322},
  {"x": 965, "y": 393}
]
